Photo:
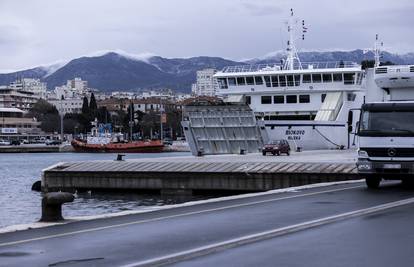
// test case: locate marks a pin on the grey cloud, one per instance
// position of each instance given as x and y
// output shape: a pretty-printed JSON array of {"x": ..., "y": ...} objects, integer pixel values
[
  {"x": 262, "y": 9},
  {"x": 10, "y": 34},
  {"x": 182, "y": 28}
]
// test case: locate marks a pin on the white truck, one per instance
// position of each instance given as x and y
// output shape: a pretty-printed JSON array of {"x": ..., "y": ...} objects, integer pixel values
[
  {"x": 386, "y": 142},
  {"x": 386, "y": 128}
]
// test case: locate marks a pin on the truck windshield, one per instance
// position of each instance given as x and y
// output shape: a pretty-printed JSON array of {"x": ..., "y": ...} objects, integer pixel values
[{"x": 387, "y": 123}]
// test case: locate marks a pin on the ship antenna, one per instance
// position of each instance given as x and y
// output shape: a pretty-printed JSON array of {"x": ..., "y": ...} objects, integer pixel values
[
  {"x": 292, "y": 53},
  {"x": 377, "y": 50}
]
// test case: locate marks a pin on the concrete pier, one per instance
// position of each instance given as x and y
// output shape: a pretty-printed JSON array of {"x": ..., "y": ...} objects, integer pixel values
[
  {"x": 36, "y": 148},
  {"x": 242, "y": 173}
]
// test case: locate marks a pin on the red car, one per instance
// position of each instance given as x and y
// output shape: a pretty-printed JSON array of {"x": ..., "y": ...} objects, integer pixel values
[{"x": 276, "y": 147}]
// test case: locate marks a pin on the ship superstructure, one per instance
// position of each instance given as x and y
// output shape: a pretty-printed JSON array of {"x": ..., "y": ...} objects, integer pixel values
[{"x": 306, "y": 103}]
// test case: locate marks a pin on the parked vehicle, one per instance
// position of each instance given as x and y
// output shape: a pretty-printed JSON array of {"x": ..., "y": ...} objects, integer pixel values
[
  {"x": 277, "y": 147},
  {"x": 4, "y": 143},
  {"x": 53, "y": 142},
  {"x": 386, "y": 147},
  {"x": 167, "y": 142},
  {"x": 15, "y": 143},
  {"x": 25, "y": 142}
]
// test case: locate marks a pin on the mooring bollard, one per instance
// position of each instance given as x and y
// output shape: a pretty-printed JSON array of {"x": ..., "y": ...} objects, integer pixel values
[
  {"x": 52, "y": 205},
  {"x": 37, "y": 186},
  {"x": 120, "y": 157},
  {"x": 200, "y": 152}
]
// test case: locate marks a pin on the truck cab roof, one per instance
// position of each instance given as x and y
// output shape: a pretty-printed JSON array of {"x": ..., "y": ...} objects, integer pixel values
[{"x": 389, "y": 106}]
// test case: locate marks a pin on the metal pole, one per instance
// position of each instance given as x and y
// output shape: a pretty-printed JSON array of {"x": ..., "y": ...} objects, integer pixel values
[
  {"x": 61, "y": 121},
  {"x": 161, "y": 134},
  {"x": 130, "y": 121}
]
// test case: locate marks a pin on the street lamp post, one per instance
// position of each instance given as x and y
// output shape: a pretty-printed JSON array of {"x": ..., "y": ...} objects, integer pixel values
[
  {"x": 161, "y": 134},
  {"x": 61, "y": 120}
]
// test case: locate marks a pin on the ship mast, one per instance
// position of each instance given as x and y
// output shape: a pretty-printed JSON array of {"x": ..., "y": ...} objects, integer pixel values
[
  {"x": 377, "y": 51},
  {"x": 292, "y": 53}
]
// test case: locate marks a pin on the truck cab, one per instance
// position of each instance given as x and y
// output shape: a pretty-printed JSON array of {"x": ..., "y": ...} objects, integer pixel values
[{"x": 386, "y": 142}]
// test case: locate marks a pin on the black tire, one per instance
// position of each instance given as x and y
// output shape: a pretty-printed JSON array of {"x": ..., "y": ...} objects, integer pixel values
[
  {"x": 373, "y": 182},
  {"x": 288, "y": 153},
  {"x": 264, "y": 153},
  {"x": 278, "y": 153}
]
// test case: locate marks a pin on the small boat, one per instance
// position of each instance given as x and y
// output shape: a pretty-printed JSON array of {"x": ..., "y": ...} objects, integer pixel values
[
  {"x": 151, "y": 146},
  {"x": 101, "y": 139}
]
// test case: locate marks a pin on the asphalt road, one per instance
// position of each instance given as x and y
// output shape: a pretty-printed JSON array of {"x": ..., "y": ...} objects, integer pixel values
[{"x": 377, "y": 238}]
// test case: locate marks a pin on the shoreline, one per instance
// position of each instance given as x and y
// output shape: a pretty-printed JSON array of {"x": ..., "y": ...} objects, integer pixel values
[{"x": 35, "y": 225}]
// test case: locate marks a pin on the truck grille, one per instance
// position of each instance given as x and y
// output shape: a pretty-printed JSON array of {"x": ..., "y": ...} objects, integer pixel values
[{"x": 385, "y": 152}]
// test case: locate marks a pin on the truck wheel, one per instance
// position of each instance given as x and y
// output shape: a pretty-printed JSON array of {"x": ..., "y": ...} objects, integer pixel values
[
  {"x": 373, "y": 182},
  {"x": 288, "y": 153},
  {"x": 264, "y": 153}
]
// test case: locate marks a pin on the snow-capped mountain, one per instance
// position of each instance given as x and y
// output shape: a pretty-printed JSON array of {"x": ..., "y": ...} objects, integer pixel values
[{"x": 118, "y": 70}]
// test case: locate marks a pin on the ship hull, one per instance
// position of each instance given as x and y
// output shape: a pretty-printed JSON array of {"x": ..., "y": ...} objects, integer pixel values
[{"x": 131, "y": 147}]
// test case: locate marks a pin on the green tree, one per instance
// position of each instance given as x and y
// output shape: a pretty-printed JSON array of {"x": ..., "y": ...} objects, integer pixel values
[
  {"x": 85, "y": 106},
  {"x": 103, "y": 115},
  {"x": 47, "y": 114},
  {"x": 387, "y": 63},
  {"x": 366, "y": 64},
  {"x": 40, "y": 109},
  {"x": 93, "y": 107}
]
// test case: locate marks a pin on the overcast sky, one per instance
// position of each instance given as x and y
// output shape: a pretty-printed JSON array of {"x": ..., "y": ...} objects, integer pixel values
[{"x": 35, "y": 32}]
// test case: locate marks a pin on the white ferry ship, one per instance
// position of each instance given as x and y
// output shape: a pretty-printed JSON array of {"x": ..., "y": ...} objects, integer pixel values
[
  {"x": 313, "y": 105},
  {"x": 309, "y": 104}
]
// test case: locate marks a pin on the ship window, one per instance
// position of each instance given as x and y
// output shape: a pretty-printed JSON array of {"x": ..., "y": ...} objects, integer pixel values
[
  {"x": 222, "y": 83},
  {"x": 291, "y": 99},
  {"x": 248, "y": 100},
  {"x": 351, "y": 97},
  {"x": 282, "y": 80},
  {"x": 279, "y": 99},
  {"x": 241, "y": 81},
  {"x": 290, "y": 80},
  {"x": 249, "y": 80},
  {"x": 267, "y": 80},
  {"x": 349, "y": 78},
  {"x": 359, "y": 78},
  {"x": 323, "y": 96},
  {"x": 327, "y": 78},
  {"x": 337, "y": 77},
  {"x": 306, "y": 78},
  {"x": 266, "y": 99},
  {"x": 297, "y": 80},
  {"x": 316, "y": 78},
  {"x": 275, "y": 83},
  {"x": 304, "y": 98},
  {"x": 258, "y": 80},
  {"x": 232, "y": 81}
]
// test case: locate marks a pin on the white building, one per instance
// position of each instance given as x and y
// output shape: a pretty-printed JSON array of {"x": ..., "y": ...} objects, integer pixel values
[
  {"x": 13, "y": 122},
  {"x": 206, "y": 83},
  {"x": 16, "y": 98},
  {"x": 78, "y": 85},
  {"x": 67, "y": 105},
  {"x": 34, "y": 86},
  {"x": 76, "y": 88},
  {"x": 123, "y": 95},
  {"x": 165, "y": 93}
]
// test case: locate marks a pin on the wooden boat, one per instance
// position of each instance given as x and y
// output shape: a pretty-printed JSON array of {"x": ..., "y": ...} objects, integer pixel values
[{"x": 154, "y": 146}]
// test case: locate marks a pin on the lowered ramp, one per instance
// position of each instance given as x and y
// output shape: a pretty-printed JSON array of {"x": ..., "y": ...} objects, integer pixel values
[{"x": 222, "y": 129}]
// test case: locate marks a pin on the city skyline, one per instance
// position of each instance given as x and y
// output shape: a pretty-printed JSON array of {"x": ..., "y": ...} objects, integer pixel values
[{"x": 38, "y": 33}]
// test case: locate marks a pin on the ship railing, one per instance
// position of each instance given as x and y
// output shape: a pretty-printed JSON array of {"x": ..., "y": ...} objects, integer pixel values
[
  {"x": 278, "y": 66},
  {"x": 394, "y": 69}
]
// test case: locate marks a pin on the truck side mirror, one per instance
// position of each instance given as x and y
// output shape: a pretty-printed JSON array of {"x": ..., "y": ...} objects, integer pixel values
[{"x": 357, "y": 128}]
